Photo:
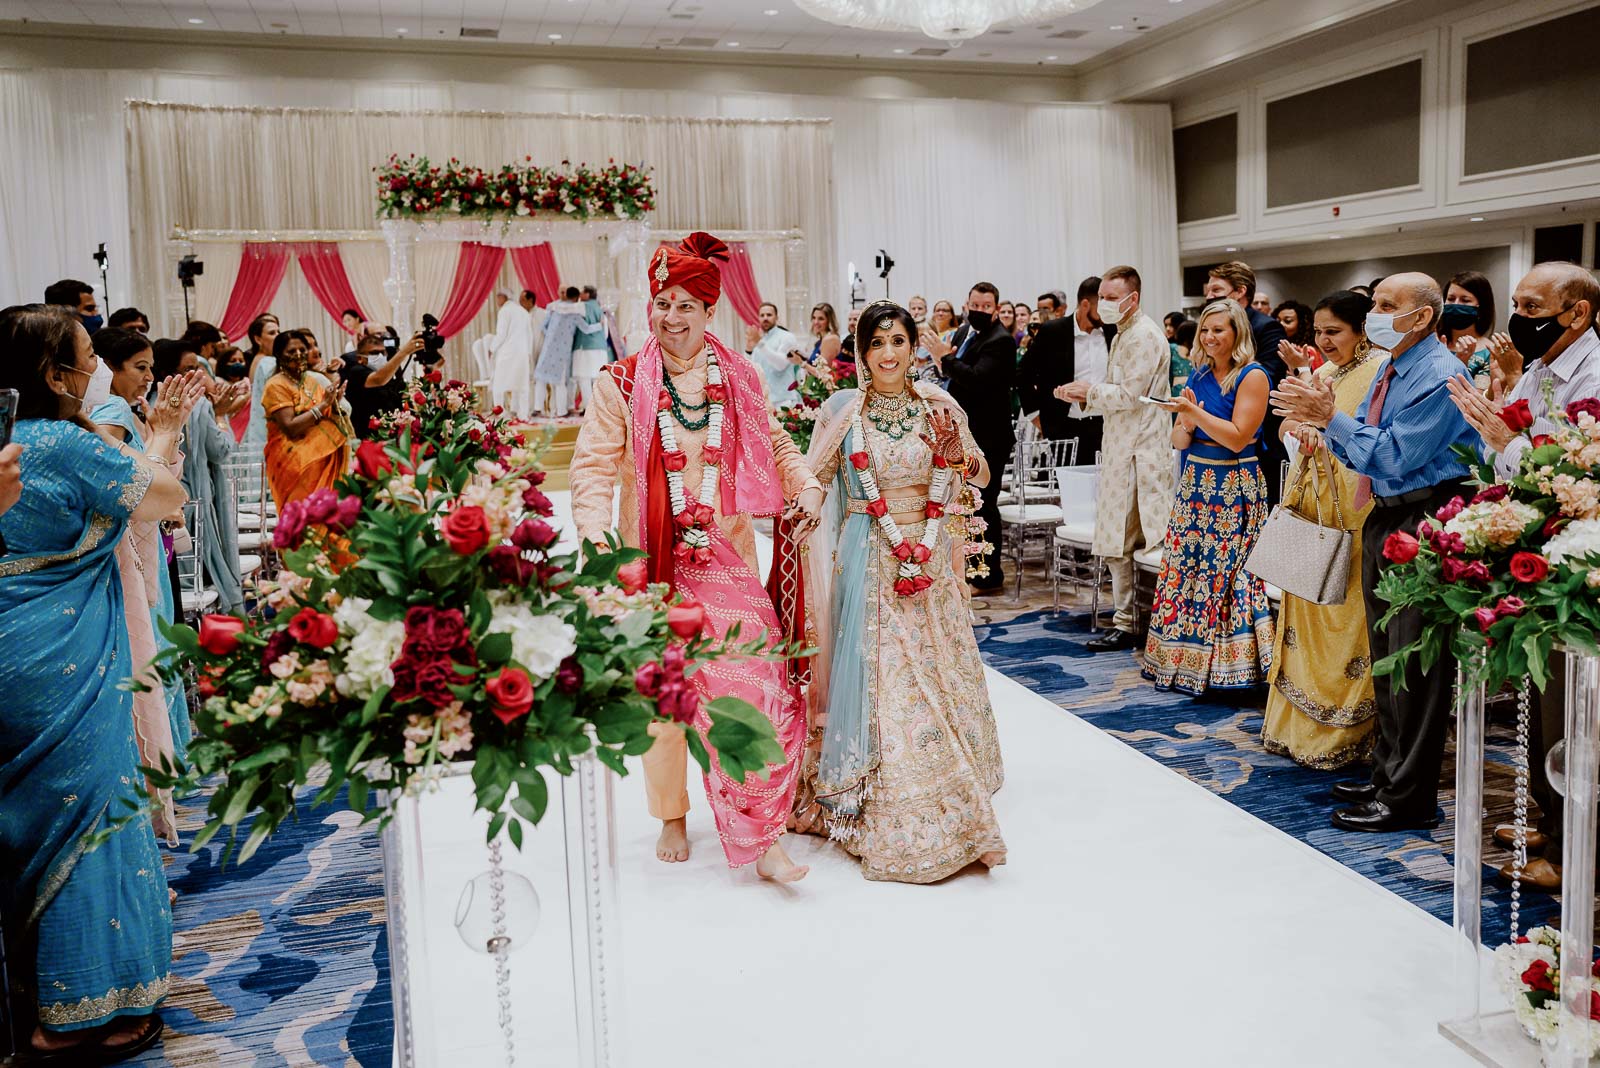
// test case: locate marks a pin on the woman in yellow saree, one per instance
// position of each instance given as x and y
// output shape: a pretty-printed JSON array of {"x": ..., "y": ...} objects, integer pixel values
[{"x": 308, "y": 442}]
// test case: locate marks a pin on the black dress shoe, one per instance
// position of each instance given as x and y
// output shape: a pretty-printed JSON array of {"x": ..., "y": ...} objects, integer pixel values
[
  {"x": 1376, "y": 816},
  {"x": 1356, "y": 793},
  {"x": 1111, "y": 641}
]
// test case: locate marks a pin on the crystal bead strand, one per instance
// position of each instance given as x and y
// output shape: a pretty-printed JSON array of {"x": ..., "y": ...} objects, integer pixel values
[
  {"x": 500, "y": 946},
  {"x": 1519, "y": 813},
  {"x": 594, "y": 855}
]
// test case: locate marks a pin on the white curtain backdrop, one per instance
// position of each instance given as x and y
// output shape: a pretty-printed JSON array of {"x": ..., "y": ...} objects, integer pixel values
[{"x": 1033, "y": 197}]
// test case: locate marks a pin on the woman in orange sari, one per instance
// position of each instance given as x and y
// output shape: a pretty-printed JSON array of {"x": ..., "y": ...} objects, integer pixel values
[{"x": 308, "y": 444}]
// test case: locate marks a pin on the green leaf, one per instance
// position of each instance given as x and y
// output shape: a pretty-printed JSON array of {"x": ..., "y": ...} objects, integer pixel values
[
  {"x": 495, "y": 649},
  {"x": 239, "y": 803},
  {"x": 359, "y": 788},
  {"x": 697, "y": 749},
  {"x": 495, "y": 824},
  {"x": 270, "y": 755},
  {"x": 514, "y": 829},
  {"x": 611, "y": 759},
  {"x": 532, "y": 798},
  {"x": 258, "y": 834}
]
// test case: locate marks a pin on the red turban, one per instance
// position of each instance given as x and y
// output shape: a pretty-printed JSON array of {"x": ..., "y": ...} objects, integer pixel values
[{"x": 692, "y": 265}]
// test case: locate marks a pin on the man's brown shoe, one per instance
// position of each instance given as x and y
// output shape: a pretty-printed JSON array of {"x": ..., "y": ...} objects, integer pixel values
[
  {"x": 1537, "y": 840},
  {"x": 1539, "y": 874}
]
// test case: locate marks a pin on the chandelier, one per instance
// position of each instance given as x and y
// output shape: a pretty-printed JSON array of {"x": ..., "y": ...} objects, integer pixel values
[{"x": 953, "y": 21}]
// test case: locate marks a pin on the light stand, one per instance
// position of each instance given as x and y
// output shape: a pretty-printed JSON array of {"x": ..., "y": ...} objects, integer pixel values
[
  {"x": 884, "y": 264},
  {"x": 188, "y": 269},
  {"x": 101, "y": 258}
]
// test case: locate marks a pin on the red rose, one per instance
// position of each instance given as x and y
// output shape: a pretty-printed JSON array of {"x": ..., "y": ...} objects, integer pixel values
[
  {"x": 905, "y": 587},
  {"x": 219, "y": 635},
  {"x": 433, "y": 631},
  {"x": 664, "y": 401},
  {"x": 534, "y": 534},
  {"x": 858, "y": 460},
  {"x": 1537, "y": 977},
  {"x": 878, "y": 508},
  {"x": 902, "y": 551},
  {"x": 1486, "y": 618},
  {"x": 508, "y": 565},
  {"x": 1587, "y": 406},
  {"x": 634, "y": 575},
  {"x": 277, "y": 645},
  {"x": 1490, "y": 494},
  {"x": 674, "y": 459},
  {"x": 372, "y": 461},
  {"x": 716, "y": 394},
  {"x": 703, "y": 515},
  {"x": 685, "y": 518},
  {"x": 1400, "y": 548},
  {"x": 1529, "y": 567},
  {"x": 321, "y": 506},
  {"x": 291, "y": 526},
  {"x": 349, "y": 510},
  {"x": 311, "y": 627},
  {"x": 1517, "y": 416},
  {"x": 711, "y": 456},
  {"x": 921, "y": 554},
  {"x": 921, "y": 582},
  {"x": 1540, "y": 440},
  {"x": 1476, "y": 572},
  {"x": 940, "y": 461},
  {"x": 418, "y": 399},
  {"x": 686, "y": 620},
  {"x": 569, "y": 676},
  {"x": 1509, "y": 606},
  {"x": 647, "y": 679},
  {"x": 206, "y": 686},
  {"x": 511, "y": 692},
  {"x": 1454, "y": 507},
  {"x": 434, "y": 376},
  {"x": 933, "y": 509},
  {"x": 1594, "y": 1004},
  {"x": 466, "y": 529},
  {"x": 1452, "y": 568},
  {"x": 1553, "y": 525}
]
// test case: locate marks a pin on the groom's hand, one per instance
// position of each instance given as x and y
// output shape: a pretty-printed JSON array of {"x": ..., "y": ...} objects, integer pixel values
[{"x": 805, "y": 511}]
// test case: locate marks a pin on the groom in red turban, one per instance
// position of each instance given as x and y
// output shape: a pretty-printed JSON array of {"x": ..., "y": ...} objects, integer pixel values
[{"x": 686, "y": 426}]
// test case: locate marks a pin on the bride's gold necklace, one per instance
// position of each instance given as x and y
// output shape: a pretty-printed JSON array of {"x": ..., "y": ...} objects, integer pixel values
[{"x": 893, "y": 416}]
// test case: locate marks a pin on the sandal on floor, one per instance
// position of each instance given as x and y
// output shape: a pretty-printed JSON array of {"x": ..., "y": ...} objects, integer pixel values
[{"x": 101, "y": 1053}]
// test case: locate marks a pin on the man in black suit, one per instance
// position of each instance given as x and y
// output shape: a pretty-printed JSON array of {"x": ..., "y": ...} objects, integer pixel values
[
  {"x": 980, "y": 361},
  {"x": 1052, "y": 360},
  {"x": 1236, "y": 281}
]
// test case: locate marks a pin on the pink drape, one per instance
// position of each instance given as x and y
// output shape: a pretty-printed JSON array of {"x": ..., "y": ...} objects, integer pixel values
[
  {"x": 261, "y": 268},
  {"x": 477, "y": 266},
  {"x": 536, "y": 270},
  {"x": 323, "y": 267},
  {"x": 739, "y": 283}
]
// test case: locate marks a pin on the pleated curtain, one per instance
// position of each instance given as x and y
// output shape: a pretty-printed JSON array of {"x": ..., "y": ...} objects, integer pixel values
[
  {"x": 261, "y": 270},
  {"x": 477, "y": 267},
  {"x": 739, "y": 284},
  {"x": 536, "y": 271},
  {"x": 322, "y": 266}
]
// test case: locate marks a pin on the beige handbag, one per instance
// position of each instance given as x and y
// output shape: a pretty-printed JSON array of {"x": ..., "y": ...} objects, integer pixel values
[{"x": 1307, "y": 559}]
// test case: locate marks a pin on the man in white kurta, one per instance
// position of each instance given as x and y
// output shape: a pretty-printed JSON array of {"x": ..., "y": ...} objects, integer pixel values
[
  {"x": 768, "y": 345},
  {"x": 1135, "y": 492},
  {"x": 511, "y": 356}
]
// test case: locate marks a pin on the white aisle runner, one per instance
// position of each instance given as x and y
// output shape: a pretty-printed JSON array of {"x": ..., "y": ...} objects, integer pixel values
[{"x": 1140, "y": 921}]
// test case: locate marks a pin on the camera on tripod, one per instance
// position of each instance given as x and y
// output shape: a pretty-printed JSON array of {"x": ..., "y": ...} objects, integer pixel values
[
  {"x": 432, "y": 343},
  {"x": 189, "y": 269}
]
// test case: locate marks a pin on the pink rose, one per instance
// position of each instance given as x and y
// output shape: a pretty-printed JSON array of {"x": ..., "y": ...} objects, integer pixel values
[
  {"x": 1486, "y": 618},
  {"x": 634, "y": 575},
  {"x": 1452, "y": 508},
  {"x": 687, "y": 620}
]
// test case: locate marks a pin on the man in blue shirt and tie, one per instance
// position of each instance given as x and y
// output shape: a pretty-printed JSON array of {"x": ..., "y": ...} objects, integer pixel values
[{"x": 1401, "y": 443}]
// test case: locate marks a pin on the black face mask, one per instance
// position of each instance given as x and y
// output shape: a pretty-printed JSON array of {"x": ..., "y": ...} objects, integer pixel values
[
  {"x": 1458, "y": 316},
  {"x": 232, "y": 372},
  {"x": 1534, "y": 337},
  {"x": 980, "y": 321}
]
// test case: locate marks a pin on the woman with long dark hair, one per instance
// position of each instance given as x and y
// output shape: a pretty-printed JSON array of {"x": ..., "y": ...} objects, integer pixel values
[
  {"x": 263, "y": 334},
  {"x": 1321, "y": 707},
  {"x": 1468, "y": 320},
  {"x": 88, "y": 933}
]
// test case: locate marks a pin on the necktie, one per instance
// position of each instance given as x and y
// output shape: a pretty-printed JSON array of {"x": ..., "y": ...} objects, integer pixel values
[{"x": 1374, "y": 413}]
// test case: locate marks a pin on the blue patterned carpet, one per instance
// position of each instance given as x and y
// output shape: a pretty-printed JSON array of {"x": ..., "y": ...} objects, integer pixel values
[
  {"x": 282, "y": 961},
  {"x": 1217, "y": 745}
]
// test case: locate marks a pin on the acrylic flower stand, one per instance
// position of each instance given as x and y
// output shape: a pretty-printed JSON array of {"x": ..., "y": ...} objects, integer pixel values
[
  {"x": 501, "y": 956},
  {"x": 1484, "y": 1025}
]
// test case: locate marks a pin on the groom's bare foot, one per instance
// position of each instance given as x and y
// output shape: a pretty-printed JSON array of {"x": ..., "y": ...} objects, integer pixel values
[
  {"x": 776, "y": 865},
  {"x": 673, "y": 845}
]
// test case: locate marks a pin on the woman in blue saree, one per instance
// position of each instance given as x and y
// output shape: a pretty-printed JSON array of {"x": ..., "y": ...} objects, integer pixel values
[
  {"x": 263, "y": 333},
  {"x": 88, "y": 932},
  {"x": 1211, "y": 624}
]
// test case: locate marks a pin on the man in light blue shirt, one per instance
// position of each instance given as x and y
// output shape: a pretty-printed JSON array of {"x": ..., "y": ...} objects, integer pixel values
[
  {"x": 769, "y": 347},
  {"x": 1401, "y": 442}
]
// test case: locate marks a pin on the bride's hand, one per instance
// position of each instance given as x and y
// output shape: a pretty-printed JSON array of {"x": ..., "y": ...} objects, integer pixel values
[{"x": 946, "y": 440}]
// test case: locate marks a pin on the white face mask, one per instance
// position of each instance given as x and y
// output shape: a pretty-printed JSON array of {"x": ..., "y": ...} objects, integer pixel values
[
  {"x": 1111, "y": 311},
  {"x": 99, "y": 390}
]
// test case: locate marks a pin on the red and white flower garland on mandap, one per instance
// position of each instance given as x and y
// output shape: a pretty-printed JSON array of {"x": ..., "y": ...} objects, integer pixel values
[
  {"x": 909, "y": 579},
  {"x": 694, "y": 518}
]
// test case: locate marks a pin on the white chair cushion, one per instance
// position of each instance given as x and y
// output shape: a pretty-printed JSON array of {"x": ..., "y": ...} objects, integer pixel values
[
  {"x": 251, "y": 539},
  {"x": 1149, "y": 558},
  {"x": 249, "y": 564},
  {"x": 1076, "y": 533},
  {"x": 199, "y": 602},
  {"x": 1033, "y": 513}
]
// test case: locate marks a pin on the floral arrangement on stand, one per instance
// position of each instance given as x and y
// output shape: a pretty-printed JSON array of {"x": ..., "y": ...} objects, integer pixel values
[
  {"x": 1518, "y": 562},
  {"x": 415, "y": 188},
  {"x": 424, "y": 616},
  {"x": 1529, "y": 972},
  {"x": 799, "y": 418}
]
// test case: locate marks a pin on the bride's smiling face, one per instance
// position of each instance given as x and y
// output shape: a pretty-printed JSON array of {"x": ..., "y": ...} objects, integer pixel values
[{"x": 889, "y": 355}]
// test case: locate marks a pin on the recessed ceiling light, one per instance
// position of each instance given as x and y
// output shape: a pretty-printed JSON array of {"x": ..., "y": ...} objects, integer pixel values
[
  {"x": 1334, "y": 237},
  {"x": 197, "y": 22},
  {"x": 1476, "y": 218},
  {"x": 770, "y": 11},
  {"x": 1052, "y": 57},
  {"x": 899, "y": 51},
  {"x": 1230, "y": 248},
  {"x": 401, "y": 29},
  {"x": 733, "y": 44},
  {"x": 553, "y": 36},
  {"x": 1118, "y": 27}
]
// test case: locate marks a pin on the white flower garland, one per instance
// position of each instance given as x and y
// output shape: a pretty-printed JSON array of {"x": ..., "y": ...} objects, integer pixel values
[
  {"x": 910, "y": 569},
  {"x": 696, "y": 536}
]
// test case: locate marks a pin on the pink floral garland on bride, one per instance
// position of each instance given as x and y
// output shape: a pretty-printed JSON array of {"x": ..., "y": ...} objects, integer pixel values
[
  {"x": 910, "y": 579},
  {"x": 694, "y": 519}
]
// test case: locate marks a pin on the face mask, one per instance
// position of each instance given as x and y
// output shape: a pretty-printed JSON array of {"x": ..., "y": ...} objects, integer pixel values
[
  {"x": 1458, "y": 316},
  {"x": 232, "y": 371},
  {"x": 1111, "y": 311},
  {"x": 980, "y": 321},
  {"x": 1381, "y": 330},
  {"x": 377, "y": 360},
  {"x": 1534, "y": 337},
  {"x": 91, "y": 323},
  {"x": 99, "y": 390}
]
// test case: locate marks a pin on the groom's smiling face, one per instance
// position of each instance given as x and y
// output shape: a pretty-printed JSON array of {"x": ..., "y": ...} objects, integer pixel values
[{"x": 679, "y": 320}]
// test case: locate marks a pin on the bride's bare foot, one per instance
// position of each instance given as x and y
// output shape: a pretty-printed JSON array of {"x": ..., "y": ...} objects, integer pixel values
[
  {"x": 776, "y": 865},
  {"x": 673, "y": 845}
]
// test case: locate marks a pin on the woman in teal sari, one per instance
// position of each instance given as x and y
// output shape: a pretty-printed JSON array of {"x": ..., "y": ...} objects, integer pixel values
[
  {"x": 88, "y": 932},
  {"x": 263, "y": 332}
]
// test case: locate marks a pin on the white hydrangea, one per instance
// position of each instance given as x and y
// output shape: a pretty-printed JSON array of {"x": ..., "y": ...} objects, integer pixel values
[
  {"x": 374, "y": 645},
  {"x": 538, "y": 642},
  {"x": 1576, "y": 542}
]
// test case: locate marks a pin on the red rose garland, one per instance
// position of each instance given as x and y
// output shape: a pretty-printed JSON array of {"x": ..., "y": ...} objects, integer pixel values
[
  {"x": 909, "y": 578},
  {"x": 694, "y": 518}
]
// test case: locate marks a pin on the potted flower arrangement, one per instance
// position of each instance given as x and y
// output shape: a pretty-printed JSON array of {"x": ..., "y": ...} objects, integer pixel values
[
  {"x": 415, "y": 188},
  {"x": 423, "y": 616},
  {"x": 1504, "y": 575},
  {"x": 799, "y": 416},
  {"x": 1529, "y": 972}
]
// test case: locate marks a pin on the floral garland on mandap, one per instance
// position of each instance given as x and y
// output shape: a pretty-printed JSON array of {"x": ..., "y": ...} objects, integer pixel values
[
  {"x": 424, "y": 616},
  {"x": 1519, "y": 561},
  {"x": 412, "y": 188},
  {"x": 1529, "y": 974}
]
